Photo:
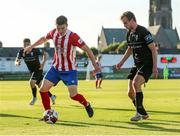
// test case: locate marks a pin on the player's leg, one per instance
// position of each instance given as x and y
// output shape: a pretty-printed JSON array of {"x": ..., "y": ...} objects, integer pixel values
[
  {"x": 96, "y": 82},
  {"x": 39, "y": 75},
  {"x": 100, "y": 82},
  {"x": 32, "y": 83},
  {"x": 101, "y": 79},
  {"x": 131, "y": 93},
  {"x": 50, "y": 79},
  {"x": 81, "y": 99},
  {"x": 76, "y": 96},
  {"x": 137, "y": 82},
  {"x": 70, "y": 80},
  {"x": 45, "y": 87},
  {"x": 53, "y": 97}
]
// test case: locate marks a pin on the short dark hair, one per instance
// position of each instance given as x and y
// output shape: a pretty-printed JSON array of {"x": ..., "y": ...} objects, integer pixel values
[
  {"x": 61, "y": 20},
  {"x": 129, "y": 15},
  {"x": 26, "y": 40}
]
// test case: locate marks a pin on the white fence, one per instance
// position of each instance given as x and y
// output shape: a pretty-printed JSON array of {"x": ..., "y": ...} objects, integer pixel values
[
  {"x": 109, "y": 60},
  {"x": 7, "y": 64}
]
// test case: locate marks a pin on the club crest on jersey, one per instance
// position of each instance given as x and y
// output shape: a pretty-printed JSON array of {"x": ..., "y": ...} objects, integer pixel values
[
  {"x": 31, "y": 54},
  {"x": 133, "y": 37}
]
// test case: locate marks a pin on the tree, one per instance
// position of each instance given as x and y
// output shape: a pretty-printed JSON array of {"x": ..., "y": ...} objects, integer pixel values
[
  {"x": 115, "y": 48},
  {"x": 121, "y": 48},
  {"x": 95, "y": 51}
]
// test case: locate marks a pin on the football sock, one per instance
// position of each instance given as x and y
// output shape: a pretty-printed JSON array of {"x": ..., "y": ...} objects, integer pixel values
[
  {"x": 139, "y": 103},
  {"x": 50, "y": 94},
  {"x": 134, "y": 102},
  {"x": 34, "y": 91},
  {"x": 80, "y": 98},
  {"x": 45, "y": 100}
]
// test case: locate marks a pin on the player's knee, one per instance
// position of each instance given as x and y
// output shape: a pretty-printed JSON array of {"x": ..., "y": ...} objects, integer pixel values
[
  {"x": 72, "y": 95},
  {"x": 130, "y": 94},
  {"x": 32, "y": 84},
  {"x": 135, "y": 85},
  {"x": 43, "y": 89}
]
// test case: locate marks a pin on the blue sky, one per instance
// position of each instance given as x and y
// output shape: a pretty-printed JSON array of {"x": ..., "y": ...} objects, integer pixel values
[{"x": 34, "y": 18}]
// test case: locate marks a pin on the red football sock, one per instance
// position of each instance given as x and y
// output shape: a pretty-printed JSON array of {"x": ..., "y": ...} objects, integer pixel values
[
  {"x": 45, "y": 100},
  {"x": 80, "y": 98}
]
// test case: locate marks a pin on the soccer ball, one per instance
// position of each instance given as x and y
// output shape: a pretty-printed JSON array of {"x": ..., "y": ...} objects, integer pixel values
[{"x": 50, "y": 116}]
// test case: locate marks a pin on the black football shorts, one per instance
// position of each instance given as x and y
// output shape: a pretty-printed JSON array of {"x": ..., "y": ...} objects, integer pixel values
[
  {"x": 145, "y": 71},
  {"x": 37, "y": 75}
]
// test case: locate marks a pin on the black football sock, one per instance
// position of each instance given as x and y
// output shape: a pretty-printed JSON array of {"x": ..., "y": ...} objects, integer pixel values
[
  {"x": 34, "y": 91},
  {"x": 139, "y": 103},
  {"x": 134, "y": 102},
  {"x": 50, "y": 94}
]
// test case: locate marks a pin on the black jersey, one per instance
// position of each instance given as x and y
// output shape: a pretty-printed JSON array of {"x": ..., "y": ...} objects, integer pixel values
[
  {"x": 139, "y": 41},
  {"x": 31, "y": 59}
]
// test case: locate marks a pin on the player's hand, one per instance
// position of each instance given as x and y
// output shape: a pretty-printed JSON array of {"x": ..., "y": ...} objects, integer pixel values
[
  {"x": 155, "y": 72},
  {"x": 118, "y": 66},
  {"x": 41, "y": 67},
  {"x": 93, "y": 73},
  {"x": 97, "y": 68},
  {"x": 17, "y": 63},
  {"x": 27, "y": 49}
]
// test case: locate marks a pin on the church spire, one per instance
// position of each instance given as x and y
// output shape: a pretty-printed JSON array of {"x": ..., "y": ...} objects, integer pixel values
[{"x": 160, "y": 13}]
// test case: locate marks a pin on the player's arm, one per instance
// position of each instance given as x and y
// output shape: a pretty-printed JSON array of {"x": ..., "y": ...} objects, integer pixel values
[
  {"x": 151, "y": 45},
  {"x": 124, "y": 58},
  {"x": 17, "y": 62},
  {"x": 18, "y": 58},
  {"x": 90, "y": 54},
  {"x": 153, "y": 49},
  {"x": 42, "y": 40}
]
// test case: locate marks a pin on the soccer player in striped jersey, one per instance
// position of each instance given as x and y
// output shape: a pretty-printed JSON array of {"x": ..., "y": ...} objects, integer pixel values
[{"x": 64, "y": 63}]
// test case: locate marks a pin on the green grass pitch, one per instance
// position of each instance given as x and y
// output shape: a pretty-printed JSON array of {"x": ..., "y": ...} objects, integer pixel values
[{"x": 112, "y": 108}]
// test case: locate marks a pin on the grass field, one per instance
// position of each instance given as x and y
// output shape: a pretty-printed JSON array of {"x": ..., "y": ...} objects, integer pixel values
[{"x": 112, "y": 107}]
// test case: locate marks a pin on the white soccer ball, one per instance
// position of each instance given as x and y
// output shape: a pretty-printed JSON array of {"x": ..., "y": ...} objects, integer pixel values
[{"x": 50, "y": 116}]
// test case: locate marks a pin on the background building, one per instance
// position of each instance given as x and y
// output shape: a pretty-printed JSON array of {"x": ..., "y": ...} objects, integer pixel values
[{"x": 160, "y": 25}]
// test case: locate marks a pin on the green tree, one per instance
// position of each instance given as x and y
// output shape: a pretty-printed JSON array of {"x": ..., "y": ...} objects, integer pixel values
[
  {"x": 122, "y": 47},
  {"x": 115, "y": 48}
]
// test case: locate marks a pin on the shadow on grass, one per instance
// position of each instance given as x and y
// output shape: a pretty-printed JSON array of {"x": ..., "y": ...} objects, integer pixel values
[
  {"x": 152, "y": 126},
  {"x": 35, "y": 118},
  {"x": 71, "y": 124},
  {"x": 17, "y": 116},
  {"x": 120, "y": 109},
  {"x": 169, "y": 121},
  {"x": 147, "y": 126}
]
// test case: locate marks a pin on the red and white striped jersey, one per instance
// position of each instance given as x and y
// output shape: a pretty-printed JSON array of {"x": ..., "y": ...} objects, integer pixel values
[{"x": 65, "y": 49}]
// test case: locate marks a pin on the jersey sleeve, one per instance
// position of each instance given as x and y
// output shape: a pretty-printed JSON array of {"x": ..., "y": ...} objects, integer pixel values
[
  {"x": 50, "y": 34},
  {"x": 147, "y": 37},
  {"x": 20, "y": 54},
  {"x": 77, "y": 41}
]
